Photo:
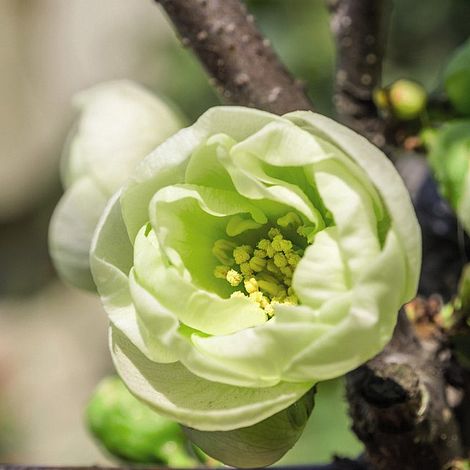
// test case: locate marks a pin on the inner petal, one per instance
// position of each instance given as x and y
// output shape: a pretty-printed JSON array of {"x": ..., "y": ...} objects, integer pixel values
[{"x": 189, "y": 219}]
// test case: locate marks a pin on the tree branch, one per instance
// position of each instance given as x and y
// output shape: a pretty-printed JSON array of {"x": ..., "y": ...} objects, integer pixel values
[
  {"x": 399, "y": 408},
  {"x": 242, "y": 64},
  {"x": 359, "y": 28}
]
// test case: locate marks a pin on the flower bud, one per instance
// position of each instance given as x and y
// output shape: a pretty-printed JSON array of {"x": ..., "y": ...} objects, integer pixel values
[
  {"x": 131, "y": 431},
  {"x": 119, "y": 124},
  {"x": 407, "y": 99}
]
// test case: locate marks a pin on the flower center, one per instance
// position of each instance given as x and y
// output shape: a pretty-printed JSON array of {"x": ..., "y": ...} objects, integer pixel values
[{"x": 263, "y": 270}]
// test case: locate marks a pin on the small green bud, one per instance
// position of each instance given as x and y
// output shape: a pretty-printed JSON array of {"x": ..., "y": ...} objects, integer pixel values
[
  {"x": 131, "y": 431},
  {"x": 407, "y": 99}
]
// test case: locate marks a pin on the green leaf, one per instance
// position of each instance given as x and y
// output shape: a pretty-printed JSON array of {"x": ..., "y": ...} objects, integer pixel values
[
  {"x": 449, "y": 160},
  {"x": 457, "y": 79}
]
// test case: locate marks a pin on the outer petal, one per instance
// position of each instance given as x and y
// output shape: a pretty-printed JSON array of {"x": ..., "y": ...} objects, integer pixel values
[
  {"x": 71, "y": 230},
  {"x": 386, "y": 179},
  {"x": 177, "y": 394},
  {"x": 111, "y": 260},
  {"x": 368, "y": 325}
]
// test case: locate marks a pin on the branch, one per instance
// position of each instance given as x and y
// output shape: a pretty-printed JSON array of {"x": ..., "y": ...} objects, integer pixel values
[
  {"x": 399, "y": 408},
  {"x": 359, "y": 28},
  {"x": 242, "y": 64}
]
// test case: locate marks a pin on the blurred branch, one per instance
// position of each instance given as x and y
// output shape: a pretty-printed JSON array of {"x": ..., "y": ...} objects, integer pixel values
[
  {"x": 360, "y": 29},
  {"x": 398, "y": 405},
  {"x": 243, "y": 66}
]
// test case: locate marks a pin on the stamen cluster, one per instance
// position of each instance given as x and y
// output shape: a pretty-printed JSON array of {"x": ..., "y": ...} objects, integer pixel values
[{"x": 263, "y": 271}]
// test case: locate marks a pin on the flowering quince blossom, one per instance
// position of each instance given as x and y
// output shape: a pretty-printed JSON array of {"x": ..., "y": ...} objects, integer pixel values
[
  {"x": 248, "y": 257},
  {"x": 119, "y": 124}
]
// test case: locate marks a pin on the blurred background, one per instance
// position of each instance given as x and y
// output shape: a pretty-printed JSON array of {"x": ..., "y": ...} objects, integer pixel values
[{"x": 53, "y": 340}]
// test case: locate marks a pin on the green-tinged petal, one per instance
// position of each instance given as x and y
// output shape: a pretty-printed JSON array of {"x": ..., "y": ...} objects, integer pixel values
[
  {"x": 258, "y": 355},
  {"x": 368, "y": 325},
  {"x": 320, "y": 274},
  {"x": 120, "y": 123},
  {"x": 196, "y": 308},
  {"x": 71, "y": 231},
  {"x": 178, "y": 394},
  {"x": 236, "y": 121},
  {"x": 167, "y": 164},
  {"x": 261, "y": 444},
  {"x": 188, "y": 220},
  {"x": 204, "y": 168},
  {"x": 387, "y": 181},
  {"x": 354, "y": 216},
  {"x": 111, "y": 260},
  {"x": 253, "y": 182},
  {"x": 282, "y": 144}
]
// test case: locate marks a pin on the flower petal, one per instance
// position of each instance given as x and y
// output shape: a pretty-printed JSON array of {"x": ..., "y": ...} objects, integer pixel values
[
  {"x": 387, "y": 181},
  {"x": 178, "y": 394},
  {"x": 320, "y": 274},
  {"x": 196, "y": 308},
  {"x": 368, "y": 325}
]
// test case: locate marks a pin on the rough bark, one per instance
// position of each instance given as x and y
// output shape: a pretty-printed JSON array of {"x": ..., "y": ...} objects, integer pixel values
[
  {"x": 241, "y": 62},
  {"x": 359, "y": 29},
  {"x": 399, "y": 406}
]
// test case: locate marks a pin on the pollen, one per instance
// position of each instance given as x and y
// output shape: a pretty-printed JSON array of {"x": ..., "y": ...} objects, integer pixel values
[
  {"x": 241, "y": 254},
  {"x": 262, "y": 271},
  {"x": 234, "y": 278}
]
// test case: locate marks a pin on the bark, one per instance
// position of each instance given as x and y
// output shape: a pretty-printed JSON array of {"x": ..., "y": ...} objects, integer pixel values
[
  {"x": 399, "y": 406},
  {"x": 360, "y": 29},
  {"x": 241, "y": 62}
]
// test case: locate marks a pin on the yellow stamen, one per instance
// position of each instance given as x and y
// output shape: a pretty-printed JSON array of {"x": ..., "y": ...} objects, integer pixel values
[
  {"x": 280, "y": 260},
  {"x": 251, "y": 285},
  {"x": 257, "y": 264},
  {"x": 237, "y": 294},
  {"x": 220, "y": 272},
  {"x": 246, "y": 270},
  {"x": 242, "y": 253},
  {"x": 272, "y": 288},
  {"x": 273, "y": 232},
  {"x": 277, "y": 243},
  {"x": 234, "y": 278}
]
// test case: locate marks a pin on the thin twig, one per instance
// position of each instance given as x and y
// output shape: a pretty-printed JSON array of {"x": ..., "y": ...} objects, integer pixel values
[
  {"x": 241, "y": 63},
  {"x": 359, "y": 28}
]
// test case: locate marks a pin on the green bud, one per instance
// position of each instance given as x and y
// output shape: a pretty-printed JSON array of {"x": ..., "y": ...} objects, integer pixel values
[
  {"x": 131, "y": 431},
  {"x": 407, "y": 99}
]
